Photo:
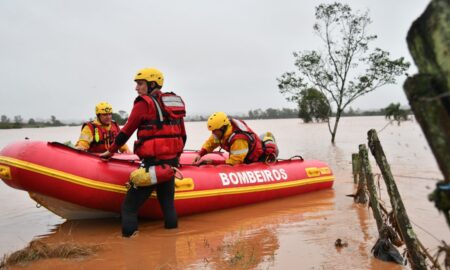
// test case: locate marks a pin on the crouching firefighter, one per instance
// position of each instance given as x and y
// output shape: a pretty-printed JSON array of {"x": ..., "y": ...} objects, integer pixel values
[
  {"x": 237, "y": 138},
  {"x": 161, "y": 136}
]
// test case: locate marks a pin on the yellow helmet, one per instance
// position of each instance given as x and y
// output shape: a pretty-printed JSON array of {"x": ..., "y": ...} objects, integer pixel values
[
  {"x": 150, "y": 75},
  {"x": 103, "y": 108},
  {"x": 217, "y": 120}
]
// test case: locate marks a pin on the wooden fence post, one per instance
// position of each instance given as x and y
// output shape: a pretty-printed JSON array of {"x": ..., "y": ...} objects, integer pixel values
[
  {"x": 364, "y": 161},
  {"x": 355, "y": 167},
  {"x": 428, "y": 92},
  {"x": 360, "y": 196},
  {"x": 415, "y": 257}
]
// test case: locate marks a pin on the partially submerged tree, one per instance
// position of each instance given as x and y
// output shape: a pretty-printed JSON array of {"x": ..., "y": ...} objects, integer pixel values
[
  {"x": 396, "y": 113},
  {"x": 313, "y": 105},
  {"x": 346, "y": 69}
]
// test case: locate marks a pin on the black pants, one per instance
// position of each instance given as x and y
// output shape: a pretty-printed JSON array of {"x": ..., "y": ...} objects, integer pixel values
[{"x": 136, "y": 197}]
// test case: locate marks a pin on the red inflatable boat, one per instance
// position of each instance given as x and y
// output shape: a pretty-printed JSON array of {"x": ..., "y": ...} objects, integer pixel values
[{"x": 76, "y": 185}]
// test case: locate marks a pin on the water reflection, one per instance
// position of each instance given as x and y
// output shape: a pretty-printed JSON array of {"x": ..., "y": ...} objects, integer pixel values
[
  {"x": 240, "y": 238},
  {"x": 337, "y": 158}
]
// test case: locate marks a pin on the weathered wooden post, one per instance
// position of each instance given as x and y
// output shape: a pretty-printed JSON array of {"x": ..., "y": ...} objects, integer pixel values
[
  {"x": 429, "y": 91},
  {"x": 371, "y": 186},
  {"x": 355, "y": 167},
  {"x": 360, "y": 196},
  {"x": 384, "y": 247},
  {"x": 415, "y": 257}
]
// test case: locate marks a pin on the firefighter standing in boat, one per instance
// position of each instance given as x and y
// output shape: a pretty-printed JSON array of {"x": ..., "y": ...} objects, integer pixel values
[
  {"x": 236, "y": 137},
  {"x": 97, "y": 135},
  {"x": 158, "y": 118}
]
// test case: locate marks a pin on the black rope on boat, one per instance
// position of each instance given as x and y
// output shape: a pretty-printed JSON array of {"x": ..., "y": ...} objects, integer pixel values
[
  {"x": 270, "y": 159},
  {"x": 292, "y": 158}
]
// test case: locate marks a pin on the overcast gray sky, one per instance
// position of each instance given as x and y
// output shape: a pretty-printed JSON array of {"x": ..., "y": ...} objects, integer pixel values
[{"x": 61, "y": 57}]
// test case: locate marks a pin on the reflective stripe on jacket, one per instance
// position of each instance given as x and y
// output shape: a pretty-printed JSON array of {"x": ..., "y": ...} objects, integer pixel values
[{"x": 98, "y": 137}]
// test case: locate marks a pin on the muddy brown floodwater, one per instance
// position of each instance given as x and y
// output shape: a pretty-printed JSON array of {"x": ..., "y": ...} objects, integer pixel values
[{"x": 298, "y": 232}]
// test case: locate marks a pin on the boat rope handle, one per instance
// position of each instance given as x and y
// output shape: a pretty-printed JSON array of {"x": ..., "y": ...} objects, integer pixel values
[
  {"x": 270, "y": 159},
  {"x": 178, "y": 173}
]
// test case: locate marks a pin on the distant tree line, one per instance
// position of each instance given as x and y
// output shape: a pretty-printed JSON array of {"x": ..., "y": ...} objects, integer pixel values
[
  {"x": 392, "y": 111},
  {"x": 19, "y": 122},
  {"x": 271, "y": 113},
  {"x": 314, "y": 109}
]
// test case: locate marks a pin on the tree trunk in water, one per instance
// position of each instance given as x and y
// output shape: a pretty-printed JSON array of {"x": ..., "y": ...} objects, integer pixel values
[
  {"x": 415, "y": 257},
  {"x": 336, "y": 122}
]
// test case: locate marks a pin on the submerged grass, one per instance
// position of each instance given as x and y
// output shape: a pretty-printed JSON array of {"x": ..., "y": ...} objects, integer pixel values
[
  {"x": 37, "y": 250},
  {"x": 234, "y": 253}
]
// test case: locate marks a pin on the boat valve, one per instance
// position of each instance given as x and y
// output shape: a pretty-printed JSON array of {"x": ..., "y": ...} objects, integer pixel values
[{"x": 5, "y": 172}]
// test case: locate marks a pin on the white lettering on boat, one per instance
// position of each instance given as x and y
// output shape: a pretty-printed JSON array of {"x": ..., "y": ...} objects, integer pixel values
[{"x": 252, "y": 177}]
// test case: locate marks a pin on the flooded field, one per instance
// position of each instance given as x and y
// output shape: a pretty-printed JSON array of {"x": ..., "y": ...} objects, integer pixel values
[{"x": 291, "y": 233}]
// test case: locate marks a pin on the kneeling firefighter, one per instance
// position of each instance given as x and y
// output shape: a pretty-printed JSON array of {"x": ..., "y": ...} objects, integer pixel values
[
  {"x": 161, "y": 136},
  {"x": 236, "y": 137},
  {"x": 97, "y": 135}
]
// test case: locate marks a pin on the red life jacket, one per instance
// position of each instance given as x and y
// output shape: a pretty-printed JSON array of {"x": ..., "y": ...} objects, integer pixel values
[
  {"x": 160, "y": 134},
  {"x": 242, "y": 131},
  {"x": 102, "y": 138}
]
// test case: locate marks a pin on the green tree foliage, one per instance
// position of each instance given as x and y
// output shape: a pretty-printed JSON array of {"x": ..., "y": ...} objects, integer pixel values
[
  {"x": 5, "y": 119},
  {"x": 18, "y": 119},
  {"x": 121, "y": 117},
  {"x": 345, "y": 69},
  {"x": 313, "y": 105},
  {"x": 55, "y": 122},
  {"x": 19, "y": 122},
  {"x": 396, "y": 113}
]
